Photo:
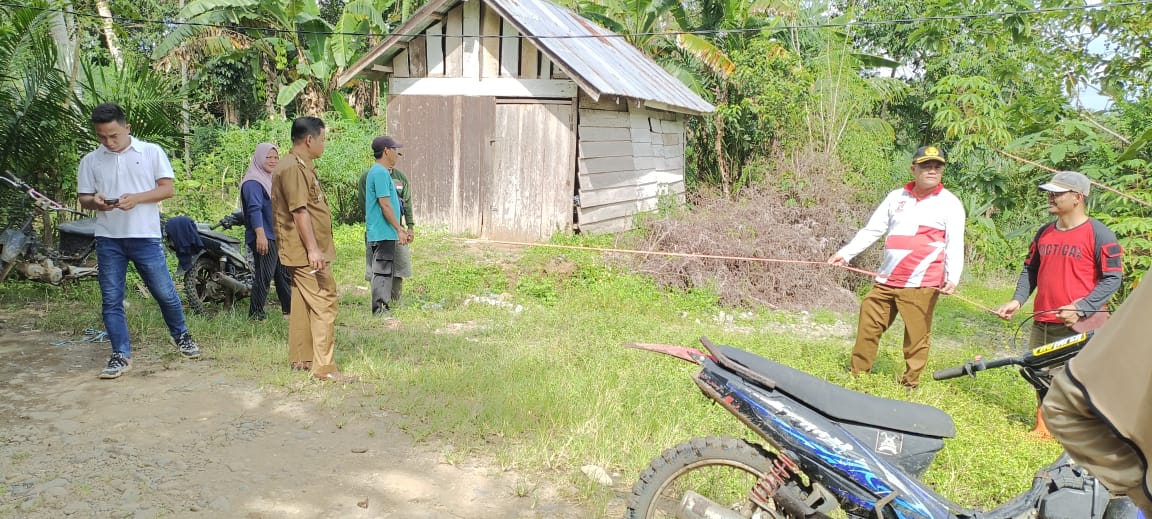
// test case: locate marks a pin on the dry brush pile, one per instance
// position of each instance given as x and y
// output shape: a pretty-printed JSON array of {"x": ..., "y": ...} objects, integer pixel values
[{"x": 765, "y": 223}]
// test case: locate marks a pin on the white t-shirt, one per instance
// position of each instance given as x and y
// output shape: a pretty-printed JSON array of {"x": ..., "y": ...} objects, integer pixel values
[{"x": 134, "y": 170}]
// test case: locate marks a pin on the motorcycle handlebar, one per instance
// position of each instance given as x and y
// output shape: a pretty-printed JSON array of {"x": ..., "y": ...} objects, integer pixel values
[
  {"x": 970, "y": 368},
  {"x": 236, "y": 218}
]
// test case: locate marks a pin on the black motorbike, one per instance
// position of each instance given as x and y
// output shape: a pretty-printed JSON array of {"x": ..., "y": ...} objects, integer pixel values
[
  {"x": 825, "y": 451},
  {"x": 23, "y": 251},
  {"x": 216, "y": 270}
]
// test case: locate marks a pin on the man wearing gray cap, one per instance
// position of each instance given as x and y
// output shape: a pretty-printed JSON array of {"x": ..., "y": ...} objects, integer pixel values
[
  {"x": 1074, "y": 264},
  {"x": 382, "y": 216}
]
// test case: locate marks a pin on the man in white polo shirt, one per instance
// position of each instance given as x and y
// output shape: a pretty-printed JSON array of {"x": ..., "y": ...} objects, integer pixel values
[
  {"x": 124, "y": 180},
  {"x": 923, "y": 257}
]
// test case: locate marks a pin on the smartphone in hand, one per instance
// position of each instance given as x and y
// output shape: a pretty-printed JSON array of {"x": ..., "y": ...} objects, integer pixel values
[{"x": 111, "y": 201}]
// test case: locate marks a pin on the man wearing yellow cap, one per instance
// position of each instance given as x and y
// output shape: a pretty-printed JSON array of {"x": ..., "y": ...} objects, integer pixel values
[{"x": 923, "y": 256}]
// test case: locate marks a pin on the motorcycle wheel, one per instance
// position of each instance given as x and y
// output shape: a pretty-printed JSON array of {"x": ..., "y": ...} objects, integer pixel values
[
  {"x": 724, "y": 470},
  {"x": 201, "y": 290}
]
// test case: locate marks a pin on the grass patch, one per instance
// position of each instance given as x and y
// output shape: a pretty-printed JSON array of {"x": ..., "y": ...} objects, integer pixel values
[{"x": 517, "y": 354}]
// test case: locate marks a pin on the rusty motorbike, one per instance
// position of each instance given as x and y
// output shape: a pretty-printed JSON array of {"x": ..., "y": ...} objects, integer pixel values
[{"x": 31, "y": 255}]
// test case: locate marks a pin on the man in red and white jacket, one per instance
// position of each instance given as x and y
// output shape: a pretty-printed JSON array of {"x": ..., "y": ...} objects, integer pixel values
[{"x": 923, "y": 256}]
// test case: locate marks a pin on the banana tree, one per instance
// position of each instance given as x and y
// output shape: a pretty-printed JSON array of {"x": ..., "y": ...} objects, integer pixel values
[{"x": 299, "y": 51}]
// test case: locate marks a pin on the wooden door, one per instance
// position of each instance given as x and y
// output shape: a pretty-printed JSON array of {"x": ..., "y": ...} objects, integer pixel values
[
  {"x": 534, "y": 156},
  {"x": 446, "y": 151}
]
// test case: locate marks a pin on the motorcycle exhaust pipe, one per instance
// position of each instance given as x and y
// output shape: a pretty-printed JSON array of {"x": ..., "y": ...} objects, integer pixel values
[
  {"x": 74, "y": 272},
  {"x": 236, "y": 287},
  {"x": 696, "y": 506}
]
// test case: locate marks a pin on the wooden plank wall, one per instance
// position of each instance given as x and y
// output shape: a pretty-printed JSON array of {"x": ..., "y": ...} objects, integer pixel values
[
  {"x": 473, "y": 41},
  {"x": 447, "y": 168},
  {"x": 628, "y": 157}
]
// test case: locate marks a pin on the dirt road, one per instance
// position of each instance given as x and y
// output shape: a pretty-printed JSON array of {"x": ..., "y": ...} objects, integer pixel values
[{"x": 176, "y": 438}]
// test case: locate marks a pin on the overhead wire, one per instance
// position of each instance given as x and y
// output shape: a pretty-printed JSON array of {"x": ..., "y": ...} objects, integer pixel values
[{"x": 827, "y": 25}]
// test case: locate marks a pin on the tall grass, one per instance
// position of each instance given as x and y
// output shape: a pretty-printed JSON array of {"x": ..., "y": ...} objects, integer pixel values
[{"x": 534, "y": 374}]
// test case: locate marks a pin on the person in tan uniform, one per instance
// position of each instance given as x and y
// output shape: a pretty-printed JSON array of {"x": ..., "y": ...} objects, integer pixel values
[
  {"x": 304, "y": 224},
  {"x": 1100, "y": 406}
]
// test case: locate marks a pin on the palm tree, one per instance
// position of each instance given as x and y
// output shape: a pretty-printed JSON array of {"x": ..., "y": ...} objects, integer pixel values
[
  {"x": 39, "y": 117},
  {"x": 709, "y": 34},
  {"x": 44, "y": 120}
]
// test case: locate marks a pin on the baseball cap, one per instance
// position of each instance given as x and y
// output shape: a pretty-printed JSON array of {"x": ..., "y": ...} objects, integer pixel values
[
  {"x": 1068, "y": 181},
  {"x": 380, "y": 143},
  {"x": 927, "y": 153}
]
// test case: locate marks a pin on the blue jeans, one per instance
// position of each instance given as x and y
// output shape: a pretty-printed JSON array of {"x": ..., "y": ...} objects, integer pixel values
[{"x": 112, "y": 257}]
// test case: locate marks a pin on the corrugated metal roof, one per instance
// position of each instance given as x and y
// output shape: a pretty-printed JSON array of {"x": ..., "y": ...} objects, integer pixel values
[
  {"x": 603, "y": 61},
  {"x": 600, "y": 61}
]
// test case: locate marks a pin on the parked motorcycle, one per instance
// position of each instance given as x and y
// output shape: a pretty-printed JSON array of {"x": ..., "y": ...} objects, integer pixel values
[
  {"x": 22, "y": 250},
  {"x": 215, "y": 269},
  {"x": 833, "y": 452}
]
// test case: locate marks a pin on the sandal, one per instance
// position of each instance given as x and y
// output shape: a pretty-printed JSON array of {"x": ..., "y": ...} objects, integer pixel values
[{"x": 302, "y": 366}]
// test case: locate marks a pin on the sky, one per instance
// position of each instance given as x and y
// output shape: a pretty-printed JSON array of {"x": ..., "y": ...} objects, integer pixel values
[{"x": 1090, "y": 95}]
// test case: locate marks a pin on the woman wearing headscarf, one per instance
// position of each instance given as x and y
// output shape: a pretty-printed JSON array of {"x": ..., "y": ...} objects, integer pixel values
[{"x": 258, "y": 231}]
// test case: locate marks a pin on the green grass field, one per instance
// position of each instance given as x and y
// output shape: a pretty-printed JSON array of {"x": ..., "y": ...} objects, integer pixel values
[{"x": 535, "y": 377}]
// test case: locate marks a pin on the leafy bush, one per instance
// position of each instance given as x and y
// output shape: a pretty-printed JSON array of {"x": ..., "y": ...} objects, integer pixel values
[
  {"x": 209, "y": 187},
  {"x": 761, "y": 114}
]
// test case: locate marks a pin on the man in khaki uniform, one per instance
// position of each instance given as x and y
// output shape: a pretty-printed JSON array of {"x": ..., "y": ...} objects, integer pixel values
[
  {"x": 304, "y": 225},
  {"x": 1100, "y": 407}
]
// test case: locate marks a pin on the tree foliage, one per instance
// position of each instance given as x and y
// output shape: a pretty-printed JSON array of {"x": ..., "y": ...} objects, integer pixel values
[
  {"x": 840, "y": 88},
  {"x": 44, "y": 110},
  {"x": 300, "y": 52}
]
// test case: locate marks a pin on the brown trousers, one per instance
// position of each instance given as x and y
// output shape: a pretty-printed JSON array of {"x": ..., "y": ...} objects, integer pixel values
[
  {"x": 1092, "y": 444},
  {"x": 877, "y": 312},
  {"x": 312, "y": 323}
]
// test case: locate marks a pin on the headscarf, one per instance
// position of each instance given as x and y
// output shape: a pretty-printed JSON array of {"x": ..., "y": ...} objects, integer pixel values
[{"x": 256, "y": 169}]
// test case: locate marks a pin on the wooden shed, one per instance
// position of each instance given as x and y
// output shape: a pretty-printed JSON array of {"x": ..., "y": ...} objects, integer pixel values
[{"x": 520, "y": 118}]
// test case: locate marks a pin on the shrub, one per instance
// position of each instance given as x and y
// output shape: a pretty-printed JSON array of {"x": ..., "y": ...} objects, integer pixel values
[{"x": 211, "y": 188}]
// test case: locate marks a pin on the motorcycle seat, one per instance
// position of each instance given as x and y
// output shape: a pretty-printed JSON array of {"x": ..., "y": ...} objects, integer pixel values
[
  {"x": 221, "y": 237},
  {"x": 839, "y": 403},
  {"x": 82, "y": 227}
]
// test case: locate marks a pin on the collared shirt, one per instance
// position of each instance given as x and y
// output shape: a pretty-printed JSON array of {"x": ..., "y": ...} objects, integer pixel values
[
  {"x": 295, "y": 185},
  {"x": 133, "y": 170},
  {"x": 925, "y": 238}
]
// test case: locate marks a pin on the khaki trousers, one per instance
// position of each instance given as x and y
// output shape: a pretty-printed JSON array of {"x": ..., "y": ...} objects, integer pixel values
[
  {"x": 312, "y": 323},
  {"x": 1044, "y": 333},
  {"x": 877, "y": 312},
  {"x": 1092, "y": 444}
]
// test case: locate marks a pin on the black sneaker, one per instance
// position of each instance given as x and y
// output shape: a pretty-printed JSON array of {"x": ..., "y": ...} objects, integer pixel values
[
  {"x": 117, "y": 365},
  {"x": 187, "y": 346}
]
